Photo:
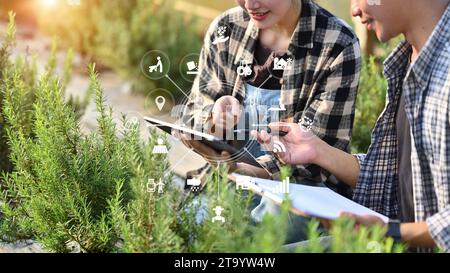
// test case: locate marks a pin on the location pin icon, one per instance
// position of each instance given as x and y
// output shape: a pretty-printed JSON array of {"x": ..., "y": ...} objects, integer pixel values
[{"x": 160, "y": 101}]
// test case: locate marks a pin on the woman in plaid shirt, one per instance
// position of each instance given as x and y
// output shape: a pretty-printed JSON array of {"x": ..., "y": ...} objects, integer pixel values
[{"x": 406, "y": 171}]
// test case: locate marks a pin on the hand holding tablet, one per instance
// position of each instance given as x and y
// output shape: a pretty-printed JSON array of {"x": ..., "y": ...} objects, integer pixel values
[{"x": 210, "y": 141}]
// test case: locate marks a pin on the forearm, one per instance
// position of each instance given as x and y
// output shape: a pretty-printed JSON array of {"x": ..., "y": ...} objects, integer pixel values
[
  {"x": 339, "y": 163},
  {"x": 416, "y": 235}
]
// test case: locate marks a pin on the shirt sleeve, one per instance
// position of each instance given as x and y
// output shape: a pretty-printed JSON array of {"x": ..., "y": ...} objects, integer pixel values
[
  {"x": 331, "y": 112},
  {"x": 439, "y": 223},
  {"x": 439, "y": 228},
  {"x": 208, "y": 86},
  {"x": 360, "y": 158}
]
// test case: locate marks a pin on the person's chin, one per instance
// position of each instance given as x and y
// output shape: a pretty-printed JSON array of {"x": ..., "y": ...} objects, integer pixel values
[
  {"x": 383, "y": 36},
  {"x": 263, "y": 24}
]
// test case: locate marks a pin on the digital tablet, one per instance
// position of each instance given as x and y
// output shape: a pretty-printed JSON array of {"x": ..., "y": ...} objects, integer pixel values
[{"x": 211, "y": 141}]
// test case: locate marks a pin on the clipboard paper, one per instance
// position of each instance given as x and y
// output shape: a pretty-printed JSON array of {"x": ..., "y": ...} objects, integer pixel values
[{"x": 319, "y": 202}]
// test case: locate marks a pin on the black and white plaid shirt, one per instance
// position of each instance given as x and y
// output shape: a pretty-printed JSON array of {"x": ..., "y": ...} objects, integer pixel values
[
  {"x": 322, "y": 85},
  {"x": 426, "y": 87}
]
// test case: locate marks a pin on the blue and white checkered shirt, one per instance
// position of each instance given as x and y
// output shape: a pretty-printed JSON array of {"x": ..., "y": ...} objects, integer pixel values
[{"x": 426, "y": 87}]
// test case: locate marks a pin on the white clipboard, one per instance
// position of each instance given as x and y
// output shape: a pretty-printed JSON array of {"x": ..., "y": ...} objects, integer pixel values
[{"x": 313, "y": 201}]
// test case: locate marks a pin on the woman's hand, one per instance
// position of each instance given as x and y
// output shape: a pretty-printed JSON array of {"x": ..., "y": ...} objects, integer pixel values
[
  {"x": 209, "y": 154},
  {"x": 301, "y": 145},
  {"x": 226, "y": 112}
]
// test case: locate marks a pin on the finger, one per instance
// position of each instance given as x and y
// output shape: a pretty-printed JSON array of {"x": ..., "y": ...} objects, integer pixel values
[
  {"x": 176, "y": 134},
  {"x": 281, "y": 126},
  {"x": 358, "y": 219},
  {"x": 225, "y": 120},
  {"x": 226, "y": 158},
  {"x": 230, "y": 120},
  {"x": 235, "y": 108},
  {"x": 216, "y": 117},
  {"x": 254, "y": 134},
  {"x": 184, "y": 137},
  {"x": 257, "y": 136},
  {"x": 266, "y": 141},
  {"x": 225, "y": 155},
  {"x": 231, "y": 105},
  {"x": 265, "y": 137},
  {"x": 325, "y": 223},
  {"x": 347, "y": 215}
]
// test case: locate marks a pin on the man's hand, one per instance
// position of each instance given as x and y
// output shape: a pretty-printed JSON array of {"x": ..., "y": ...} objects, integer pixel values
[
  {"x": 364, "y": 220},
  {"x": 360, "y": 220},
  {"x": 301, "y": 144}
]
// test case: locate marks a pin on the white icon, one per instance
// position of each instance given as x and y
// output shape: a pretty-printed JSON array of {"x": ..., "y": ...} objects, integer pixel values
[
  {"x": 281, "y": 107},
  {"x": 192, "y": 68},
  {"x": 306, "y": 124},
  {"x": 218, "y": 210},
  {"x": 244, "y": 182},
  {"x": 374, "y": 247},
  {"x": 283, "y": 187},
  {"x": 194, "y": 182},
  {"x": 133, "y": 122},
  {"x": 244, "y": 69},
  {"x": 374, "y": 2},
  {"x": 152, "y": 186},
  {"x": 278, "y": 147},
  {"x": 160, "y": 101},
  {"x": 153, "y": 68},
  {"x": 221, "y": 38},
  {"x": 282, "y": 64},
  {"x": 160, "y": 148}
]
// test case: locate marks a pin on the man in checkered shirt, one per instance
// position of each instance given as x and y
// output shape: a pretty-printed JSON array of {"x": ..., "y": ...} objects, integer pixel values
[{"x": 406, "y": 171}]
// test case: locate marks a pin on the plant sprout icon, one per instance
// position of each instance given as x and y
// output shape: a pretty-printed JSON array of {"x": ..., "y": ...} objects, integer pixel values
[{"x": 221, "y": 38}]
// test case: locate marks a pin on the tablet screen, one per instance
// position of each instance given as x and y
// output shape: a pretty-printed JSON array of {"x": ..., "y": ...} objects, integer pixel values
[
  {"x": 210, "y": 140},
  {"x": 167, "y": 127}
]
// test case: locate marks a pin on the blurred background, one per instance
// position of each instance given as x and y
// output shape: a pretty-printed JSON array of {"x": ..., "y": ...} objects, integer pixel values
[{"x": 116, "y": 34}]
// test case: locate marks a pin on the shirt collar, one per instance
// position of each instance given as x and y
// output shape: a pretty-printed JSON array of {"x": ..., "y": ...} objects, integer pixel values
[
  {"x": 395, "y": 64},
  {"x": 301, "y": 38},
  {"x": 306, "y": 26},
  {"x": 423, "y": 66}
]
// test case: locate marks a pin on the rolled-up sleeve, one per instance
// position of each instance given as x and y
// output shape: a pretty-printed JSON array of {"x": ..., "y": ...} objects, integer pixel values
[
  {"x": 439, "y": 229},
  {"x": 360, "y": 158}
]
